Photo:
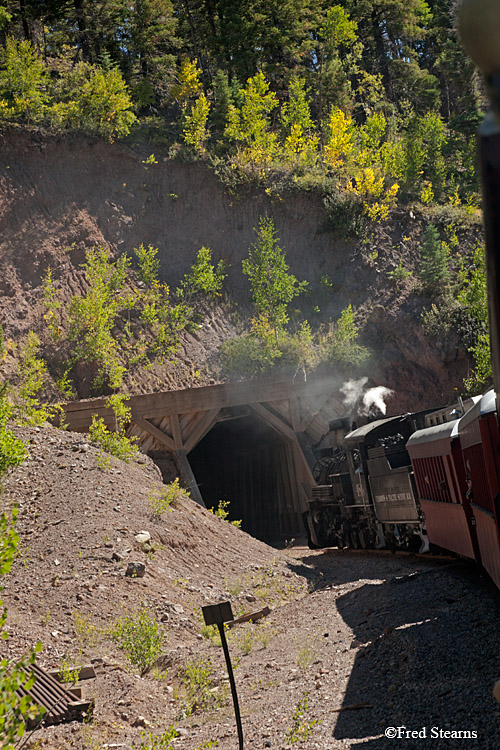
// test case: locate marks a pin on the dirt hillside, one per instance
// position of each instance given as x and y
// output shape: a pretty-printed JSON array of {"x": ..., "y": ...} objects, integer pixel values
[{"x": 60, "y": 196}]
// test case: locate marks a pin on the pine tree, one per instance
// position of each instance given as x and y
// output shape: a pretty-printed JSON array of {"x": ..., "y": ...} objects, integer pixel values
[{"x": 434, "y": 270}]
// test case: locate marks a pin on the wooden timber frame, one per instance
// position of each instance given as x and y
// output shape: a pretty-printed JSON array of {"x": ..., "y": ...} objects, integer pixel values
[{"x": 176, "y": 421}]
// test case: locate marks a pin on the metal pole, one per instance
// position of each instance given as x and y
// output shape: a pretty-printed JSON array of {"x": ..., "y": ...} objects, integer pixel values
[{"x": 220, "y": 625}]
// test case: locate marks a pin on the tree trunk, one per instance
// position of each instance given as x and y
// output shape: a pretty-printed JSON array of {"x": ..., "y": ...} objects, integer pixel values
[
  {"x": 24, "y": 21},
  {"x": 82, "y": 36}
]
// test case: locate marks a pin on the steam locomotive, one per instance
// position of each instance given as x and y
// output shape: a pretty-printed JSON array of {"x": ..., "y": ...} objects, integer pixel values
[{"x": 412, "y": 481}]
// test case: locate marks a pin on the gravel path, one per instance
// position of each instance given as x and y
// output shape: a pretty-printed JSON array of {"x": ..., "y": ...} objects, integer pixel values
[{"x": 393, "y": 642}]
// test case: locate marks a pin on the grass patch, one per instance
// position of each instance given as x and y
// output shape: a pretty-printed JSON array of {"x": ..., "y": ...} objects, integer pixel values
[
  {"x": 88, "y": 634},
  {"x": 301, "y": 728},
  {"x": 305, "y": 656},
  {"x": 198, "y": 690},
  {"x": 163, "y": 499}
]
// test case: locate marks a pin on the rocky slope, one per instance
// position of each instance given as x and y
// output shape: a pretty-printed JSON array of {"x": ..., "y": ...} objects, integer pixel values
[
  {"x": 354, "y": 642},
  {"x": 60, "y": 193}
]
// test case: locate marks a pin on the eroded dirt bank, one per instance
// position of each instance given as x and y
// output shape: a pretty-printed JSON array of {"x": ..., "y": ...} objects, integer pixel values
[{"x": 60, "y": 193}]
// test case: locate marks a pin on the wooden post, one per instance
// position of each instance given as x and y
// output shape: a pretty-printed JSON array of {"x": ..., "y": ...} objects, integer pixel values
[{"x": 188, "y": 477}]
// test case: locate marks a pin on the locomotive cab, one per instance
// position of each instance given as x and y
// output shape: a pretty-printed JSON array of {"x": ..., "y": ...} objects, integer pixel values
[{"x": 384, "y": 482}]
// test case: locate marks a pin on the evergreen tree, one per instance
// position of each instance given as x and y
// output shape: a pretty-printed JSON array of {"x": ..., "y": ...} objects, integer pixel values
[{"x": 434, "y": 269}]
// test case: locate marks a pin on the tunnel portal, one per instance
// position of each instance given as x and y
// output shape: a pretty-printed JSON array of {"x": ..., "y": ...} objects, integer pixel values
[
  {"x": 250, "y": 465},
  {"x": 249, "y": 443}
]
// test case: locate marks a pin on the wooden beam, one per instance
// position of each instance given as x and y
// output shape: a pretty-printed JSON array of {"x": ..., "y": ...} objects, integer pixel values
[
  {"x": 303, "y": 465},
  {"x": 176, "y": 432},
  {"x": 273, "y": 421},
  {"x": 200, "y": 429},
  {"x": 295, "y": 412},
  {"x": 188, "y": 477},
  {"x": 306, "y": 449},
  {"x": 158, "y": 405},
  {"x": 155, "y": 431},
  {"x": 306, "y": 421}
]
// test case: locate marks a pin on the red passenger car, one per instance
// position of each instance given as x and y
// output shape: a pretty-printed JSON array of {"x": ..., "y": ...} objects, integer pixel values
[
  {"x": 438, "y": 465},
  {"x": 480, "y": 441}
]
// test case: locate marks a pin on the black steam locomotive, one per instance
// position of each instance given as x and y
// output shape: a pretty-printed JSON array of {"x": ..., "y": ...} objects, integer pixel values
[{"x": 366, "y": 495}]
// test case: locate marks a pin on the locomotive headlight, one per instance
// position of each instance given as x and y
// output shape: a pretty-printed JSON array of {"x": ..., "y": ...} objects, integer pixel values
[{"x": 479, "y": 27}]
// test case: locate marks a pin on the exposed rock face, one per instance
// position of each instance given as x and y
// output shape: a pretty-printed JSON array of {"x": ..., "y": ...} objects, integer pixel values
[{"x": 58, "y": 193}]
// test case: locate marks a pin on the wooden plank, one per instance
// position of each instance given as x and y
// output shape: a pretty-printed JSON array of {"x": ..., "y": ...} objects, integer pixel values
[
  {"x": 156, "y": 432},
  {"x": 250, "y": 617},
  {"x": 273, "y": 421},
  {"x": 176, "y": 432},
  {"x": 188, "y": 477},
  {"x": 86, "y": 672},
  {"x": 164, "y": 425},
  {"x": 296, "y": 496},
  {"x": 304, "y": 466},
  {"x": 281, "y": 409},
  {"x": 307, "y": 450},
  {"x": 200, "y": 429},
  {"x": 187, "y": 421}
]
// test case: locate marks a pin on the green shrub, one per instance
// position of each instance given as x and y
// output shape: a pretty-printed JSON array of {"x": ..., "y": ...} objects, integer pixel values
[
  {"x": 140, "y": 636},
  {"x": 161, "y": 499},
  {"x": 301, "y": 728},
  {"x": 222, "y": 511},
  {"x": 93, "y": 316},
  {"x": 14, "y": 709},
  {"x": 23, "y": 82},
  {"x": 149, "y": 265},
  {"x": 273, "y": 288},
  {"x": 151, "y": 741},
  {"x": 198, "y": 691},
  {"x": 204, "y": 277},
  {"x": 94, "y": 100},
  {"x": 248, "y": 356},
  {"x": 400, "y": 274},
  {"x": 12, "y": 449},
  {"x": 33, "y": 378},
  {"x": 435, "y": 266},
  {"x": 116, "y": 443},
  {"x": 195, "y": 130},
  {"x": 84, "y": 96},
  {"x": 339, "y": 345}
]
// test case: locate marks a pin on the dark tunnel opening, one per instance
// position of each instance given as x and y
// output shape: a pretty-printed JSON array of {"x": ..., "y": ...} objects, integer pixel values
[{"x": 252, "y": 466}]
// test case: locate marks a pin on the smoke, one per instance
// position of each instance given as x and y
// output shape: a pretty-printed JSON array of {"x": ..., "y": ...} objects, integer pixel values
[
  {"x": 375, "y": 397},
  {"x": 353, "y": 391},
  {"x": 367, "y": 402}
]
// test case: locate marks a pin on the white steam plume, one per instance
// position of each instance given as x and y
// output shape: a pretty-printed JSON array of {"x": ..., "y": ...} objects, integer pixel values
[
  {"x": 366, "y": 401},
  {"x": 375, "y": 397},
  {"x": 353, "y": 391}
]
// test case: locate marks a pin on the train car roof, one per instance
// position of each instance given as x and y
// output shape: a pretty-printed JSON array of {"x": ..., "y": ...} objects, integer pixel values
[
  {"x": 425, "y": 442},
  {"x": 484, "y": 405},
  {"x": 358, "y": 435}
]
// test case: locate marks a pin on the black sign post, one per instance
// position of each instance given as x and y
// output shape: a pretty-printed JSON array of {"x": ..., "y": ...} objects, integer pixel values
[{"x": 218, "y": 614}]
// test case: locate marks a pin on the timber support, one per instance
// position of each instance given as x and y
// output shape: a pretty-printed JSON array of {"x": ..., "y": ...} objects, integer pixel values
[{"x": 266, "y": 471}]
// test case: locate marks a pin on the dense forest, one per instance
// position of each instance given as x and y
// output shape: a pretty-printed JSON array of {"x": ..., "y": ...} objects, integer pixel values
[{"x": 378, "y": 95}]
